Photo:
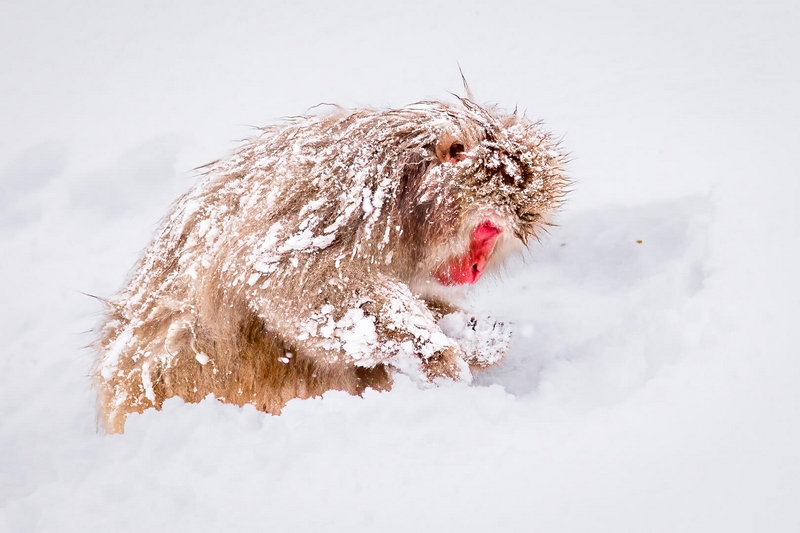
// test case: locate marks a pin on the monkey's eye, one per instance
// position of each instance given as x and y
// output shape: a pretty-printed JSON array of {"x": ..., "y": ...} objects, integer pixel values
[
  {"x": 457, "y": 152},
  {"x": 530, "y": 217}
]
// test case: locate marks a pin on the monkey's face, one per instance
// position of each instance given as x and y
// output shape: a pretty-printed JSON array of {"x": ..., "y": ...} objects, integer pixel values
[
  {"x": 469, "y": 267},
  {"x": 505, "y": 179}
]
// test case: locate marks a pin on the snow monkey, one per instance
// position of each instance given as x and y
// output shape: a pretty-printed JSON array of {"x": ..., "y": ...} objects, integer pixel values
[{"x": 325, "y": 254}]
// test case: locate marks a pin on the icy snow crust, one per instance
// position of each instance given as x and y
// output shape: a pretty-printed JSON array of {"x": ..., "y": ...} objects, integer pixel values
[{"x": 648, "y": 387}]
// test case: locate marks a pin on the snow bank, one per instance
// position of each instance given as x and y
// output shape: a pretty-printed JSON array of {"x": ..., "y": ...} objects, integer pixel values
[{"x": 651, "y": 383}]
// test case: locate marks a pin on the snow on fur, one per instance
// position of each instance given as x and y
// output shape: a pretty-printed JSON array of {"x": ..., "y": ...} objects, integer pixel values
[{"x": 323, "y": 234}]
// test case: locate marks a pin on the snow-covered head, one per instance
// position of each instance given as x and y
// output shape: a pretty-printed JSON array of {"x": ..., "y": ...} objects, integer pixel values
[{"x": 492, "y": 185}]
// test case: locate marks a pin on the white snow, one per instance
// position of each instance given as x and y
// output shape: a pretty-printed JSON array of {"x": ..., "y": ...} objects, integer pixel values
[
  {"x": 112, "y": 359},
  {"x": 147, "y": 382},
  {"x": 649, "y": 386},
  {"x": 357, "y": 333}
]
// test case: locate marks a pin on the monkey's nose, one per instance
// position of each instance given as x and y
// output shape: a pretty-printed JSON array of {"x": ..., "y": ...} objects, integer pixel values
[{"x": 478, "y": 266}]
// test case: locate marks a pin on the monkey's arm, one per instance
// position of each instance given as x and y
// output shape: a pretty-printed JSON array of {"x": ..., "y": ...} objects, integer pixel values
[
  {"x": 440, "y": 308},
  {"x": 364, "y": 323}
]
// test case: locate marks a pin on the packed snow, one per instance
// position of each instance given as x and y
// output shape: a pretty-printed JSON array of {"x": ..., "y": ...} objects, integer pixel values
[{"x": 652, "y": 378}]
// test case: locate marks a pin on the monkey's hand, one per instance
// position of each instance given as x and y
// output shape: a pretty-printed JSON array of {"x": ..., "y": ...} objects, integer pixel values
[{"x": 484, "y": 340}]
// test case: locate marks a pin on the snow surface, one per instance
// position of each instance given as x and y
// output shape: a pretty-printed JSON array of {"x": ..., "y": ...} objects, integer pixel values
[{"x": 650, "y": 386}]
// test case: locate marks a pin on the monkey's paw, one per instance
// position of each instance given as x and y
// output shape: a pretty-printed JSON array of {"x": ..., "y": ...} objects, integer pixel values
[{"x": 483, "y": 339}]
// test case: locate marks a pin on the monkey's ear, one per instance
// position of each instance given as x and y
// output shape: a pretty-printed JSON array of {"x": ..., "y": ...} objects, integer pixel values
[{"x": 450, "y": 149}]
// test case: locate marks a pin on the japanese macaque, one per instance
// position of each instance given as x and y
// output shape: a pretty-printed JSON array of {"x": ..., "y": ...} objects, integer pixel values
[{"x": 325, "y": 254}]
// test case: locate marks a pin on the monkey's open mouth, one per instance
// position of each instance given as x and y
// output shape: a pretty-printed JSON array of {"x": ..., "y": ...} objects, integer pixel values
[{"x": 468, "y": 268}]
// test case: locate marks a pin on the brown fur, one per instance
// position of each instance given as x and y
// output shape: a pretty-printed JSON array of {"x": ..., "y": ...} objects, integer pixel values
[{"x": 304, "y": 262}]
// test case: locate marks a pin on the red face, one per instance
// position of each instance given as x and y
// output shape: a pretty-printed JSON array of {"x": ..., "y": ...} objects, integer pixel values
[{"x": 469, "y": 268}]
